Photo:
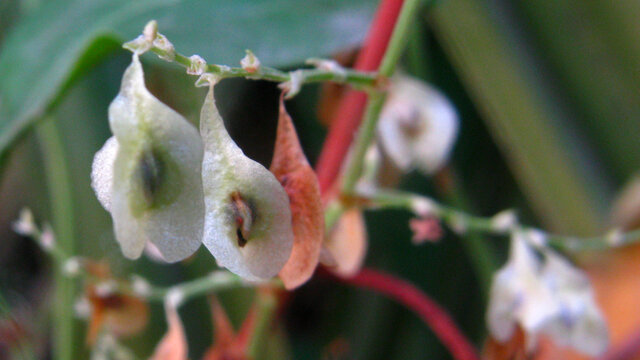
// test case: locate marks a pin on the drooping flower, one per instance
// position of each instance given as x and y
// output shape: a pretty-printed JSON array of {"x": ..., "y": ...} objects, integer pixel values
[
  {"x": 149, "y": 174},
  {"x": 248, "y": 220},
  {"x": 418, "y": 125},
  {"x": 292, "y": 169},
  {"x": 545, "y": 296}
]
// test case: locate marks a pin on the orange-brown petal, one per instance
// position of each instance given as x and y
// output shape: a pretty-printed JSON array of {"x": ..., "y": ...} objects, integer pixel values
[
  {"x": 347, "y": 243},
  {"x": 292, "y": 169},
  {"x": 173, "y": 345}
]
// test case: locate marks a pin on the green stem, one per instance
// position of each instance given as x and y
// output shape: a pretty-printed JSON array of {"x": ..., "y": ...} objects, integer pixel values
[
  {"x": 355, "y": 78},
  {"x": 391, "y": 57},
  {"x": 480, "y": 254},
  {"x": 267, "y": 303},
  {"x": 61, "y": 202},
  {"x": 463, "y": 222}
]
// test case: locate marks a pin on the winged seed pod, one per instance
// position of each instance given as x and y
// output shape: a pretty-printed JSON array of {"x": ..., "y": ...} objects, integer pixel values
[
  {"x": 292, "y": 169},
  {"x": 418, "y": 125},
  {"x": 247, "y": 225},
  {"x": 149, "y": 175}
]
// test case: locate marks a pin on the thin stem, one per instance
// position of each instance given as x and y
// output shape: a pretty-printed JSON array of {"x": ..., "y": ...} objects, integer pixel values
[
  {"x": 479, "y": 252},
  {"x": 358, "y": 79},
  {"x": 463, "y": 222},
  {"x": 417, "y": 301},
  {"x": 60, "y": 193},
  {"x": 266, "y": 306},
  {"x": 391, "y": 57}
]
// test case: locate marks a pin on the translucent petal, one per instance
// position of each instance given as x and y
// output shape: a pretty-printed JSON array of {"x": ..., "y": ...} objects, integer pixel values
[
  {"x": 248, "y": 220},
  {"x": 102, "y": 172},
  {"x": 157, "y": 186}
]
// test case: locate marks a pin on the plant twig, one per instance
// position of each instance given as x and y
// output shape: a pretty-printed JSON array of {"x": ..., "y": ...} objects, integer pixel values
[
  {"x": 358, "y": 79},
  {"x": 463, "y": 222},
  {"x": 417, "y": 301}
]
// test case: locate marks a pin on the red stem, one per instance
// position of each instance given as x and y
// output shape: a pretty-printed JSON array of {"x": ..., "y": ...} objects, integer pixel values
[
  {"x": 414, "y": 299},
  {"x": 351, "y": 109}
]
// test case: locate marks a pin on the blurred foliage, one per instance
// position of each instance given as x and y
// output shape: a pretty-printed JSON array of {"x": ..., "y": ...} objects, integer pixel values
[{"x": 547, "y": 92}]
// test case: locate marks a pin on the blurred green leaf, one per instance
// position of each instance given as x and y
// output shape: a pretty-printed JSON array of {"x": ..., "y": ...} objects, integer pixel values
[
  {"x": 594, "y": 47},
  {"x": 546, "y": 153},
  {"x": 60, "y": 40}
]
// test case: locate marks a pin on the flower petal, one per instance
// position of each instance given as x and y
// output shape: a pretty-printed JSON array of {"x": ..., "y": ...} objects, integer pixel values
[
  {"x": 248, "y": 220},
  {"x": 347, "y": 244},
  {"x": 292, "y": 169},
  {"x": 102, "y": 172}
]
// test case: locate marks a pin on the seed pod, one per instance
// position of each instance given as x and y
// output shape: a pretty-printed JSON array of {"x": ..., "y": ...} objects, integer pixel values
[
  {"x": 156, "y": 189},
  {"x": 247, "y": 224},
  {"x": 292, "y": 169}
]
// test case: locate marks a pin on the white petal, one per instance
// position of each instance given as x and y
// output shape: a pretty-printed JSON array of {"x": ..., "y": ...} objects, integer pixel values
[
  {"x": 157, "y": 186},
  {"x": 102, "y": 172},
  {"x": 225, "y": 171}
]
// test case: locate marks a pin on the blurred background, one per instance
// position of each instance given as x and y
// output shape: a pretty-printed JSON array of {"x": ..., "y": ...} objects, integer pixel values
[{"x": 548, "y": 94}]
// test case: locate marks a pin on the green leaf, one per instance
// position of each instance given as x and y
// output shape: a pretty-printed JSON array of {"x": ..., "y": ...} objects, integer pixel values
[
  {"x": 62, "y": 39},
  {"x": 534, "y": 130},
  {"x": 595, "y": 49}
]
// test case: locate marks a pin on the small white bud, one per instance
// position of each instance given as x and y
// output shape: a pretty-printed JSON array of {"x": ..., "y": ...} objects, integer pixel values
[
  {"x": 25, "y": 225},
  {"x": 294, "y": 84},
  {"x": 250, "y": 62},
  {"x": 615, "y": 237},
  {"x": 106, "y": 288},
  {"x": 47, "y": 238},
  {"x": 71, "y": 267},
  {"x": 504, "y": 220},
  {"x": 150, "y": 31},
  {"x": 139, "y": 45},
  {"x": 423, "y": 207},
  {"x": 537, "y": 238},
  {"x": 82, "y": 308},
  {"x": 174, "y": 297},
  {"x": 328, "y": 65},
  {"x": 141, "y": 286},
  {"x": 197, "y": 66},
  {"x": 167, "y": 51}
]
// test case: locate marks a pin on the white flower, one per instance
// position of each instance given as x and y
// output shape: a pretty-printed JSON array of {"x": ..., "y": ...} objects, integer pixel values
[
  {"x": 551, "y": 297},
  {"x": 248, "y": 220},
  {"x": 518, "y": 296},
  {"x": 149, "y": 174},
  {"x": 418, "y": 125}
]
